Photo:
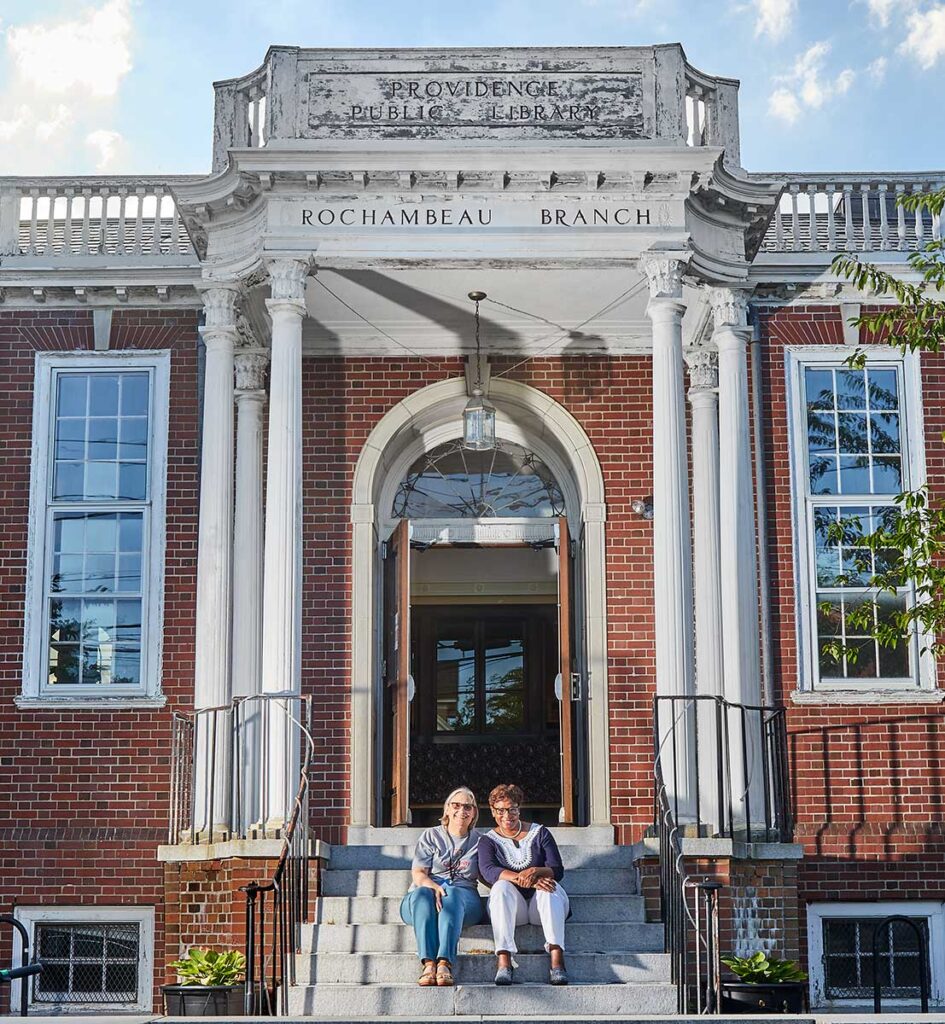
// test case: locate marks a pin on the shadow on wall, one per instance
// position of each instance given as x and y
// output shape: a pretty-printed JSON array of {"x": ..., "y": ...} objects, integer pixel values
[{"x": 869, "y": 785}]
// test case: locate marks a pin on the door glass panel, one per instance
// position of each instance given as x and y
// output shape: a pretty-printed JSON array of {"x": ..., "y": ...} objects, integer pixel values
[
  {"x": 456, "y": 678},
  {"x": 504, "y": 657}
]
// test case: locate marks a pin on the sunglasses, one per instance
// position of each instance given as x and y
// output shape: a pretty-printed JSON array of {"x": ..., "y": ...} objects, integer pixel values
[{"x": 456, "y": 806}]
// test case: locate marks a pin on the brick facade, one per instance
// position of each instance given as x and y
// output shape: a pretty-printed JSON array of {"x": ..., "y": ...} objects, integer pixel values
[{"x": 83, "y": 794}]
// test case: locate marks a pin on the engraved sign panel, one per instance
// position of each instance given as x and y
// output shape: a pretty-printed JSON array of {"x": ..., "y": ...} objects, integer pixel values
[{"x": 429, "y": 103}]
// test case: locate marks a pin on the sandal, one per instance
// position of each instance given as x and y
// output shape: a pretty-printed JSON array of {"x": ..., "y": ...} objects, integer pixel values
[
  {"x": 444, "y": 974},
  {"x": 427, "y": 975}
]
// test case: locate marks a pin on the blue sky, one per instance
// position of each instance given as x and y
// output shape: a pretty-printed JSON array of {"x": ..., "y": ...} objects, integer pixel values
[{"x": 124, "y": 86}]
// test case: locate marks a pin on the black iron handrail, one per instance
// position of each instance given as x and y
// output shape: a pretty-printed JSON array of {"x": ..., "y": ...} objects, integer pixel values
[
  {"x": 26, "y": 969},
  {"x": 920, "y": 935},
  {"x": 704, "y": 790},
  {"x": 288, "y": 904},
  {"x": 221, "y": 761}
]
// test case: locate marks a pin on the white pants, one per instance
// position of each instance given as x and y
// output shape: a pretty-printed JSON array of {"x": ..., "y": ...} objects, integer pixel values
[{"x": 508, "y": 908}]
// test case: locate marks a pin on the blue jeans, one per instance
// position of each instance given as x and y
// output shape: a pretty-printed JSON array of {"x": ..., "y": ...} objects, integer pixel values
[{"x": 438, "y": 933}]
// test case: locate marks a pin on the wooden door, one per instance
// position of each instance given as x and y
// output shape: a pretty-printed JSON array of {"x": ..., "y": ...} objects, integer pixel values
[
  {"x": 565, "y": 666},
  {"x": 398, "y": 679}
]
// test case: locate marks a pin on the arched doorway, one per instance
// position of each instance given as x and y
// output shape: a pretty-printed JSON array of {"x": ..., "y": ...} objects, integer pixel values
[{"x": 463, "y": 574}]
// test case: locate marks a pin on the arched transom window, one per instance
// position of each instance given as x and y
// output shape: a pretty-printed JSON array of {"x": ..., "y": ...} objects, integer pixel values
[{"x": 454, "y": 482}]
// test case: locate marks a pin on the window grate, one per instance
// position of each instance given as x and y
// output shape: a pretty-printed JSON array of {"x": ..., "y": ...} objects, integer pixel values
[
  {"x": 87, "y": 963},
  {"x": 848, "y": 958}
]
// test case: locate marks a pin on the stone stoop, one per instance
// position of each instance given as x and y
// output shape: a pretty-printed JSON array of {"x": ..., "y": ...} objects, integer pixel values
[{"x": 359, "y": 959}]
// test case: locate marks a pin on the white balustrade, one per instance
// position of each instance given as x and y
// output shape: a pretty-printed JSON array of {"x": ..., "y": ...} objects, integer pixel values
[
  {"x": 852, "y": 213},
  {"x": 84, "y": 217}
]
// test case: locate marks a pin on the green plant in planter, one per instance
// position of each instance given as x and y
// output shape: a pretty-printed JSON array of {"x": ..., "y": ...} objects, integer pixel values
[
  {"x": 760, "y": 969},
  {"x": 210, "y": 967}
]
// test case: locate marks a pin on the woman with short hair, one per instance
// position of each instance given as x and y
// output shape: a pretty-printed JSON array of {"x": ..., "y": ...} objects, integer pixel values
[
  {"x": 443, "y": 898},
  {"x": 521, "y": 862}
]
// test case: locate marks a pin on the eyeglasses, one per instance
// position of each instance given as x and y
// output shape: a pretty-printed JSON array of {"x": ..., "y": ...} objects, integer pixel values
[
  {"x": 456, "y": 806},
  {"x": 501, "y": 811}
]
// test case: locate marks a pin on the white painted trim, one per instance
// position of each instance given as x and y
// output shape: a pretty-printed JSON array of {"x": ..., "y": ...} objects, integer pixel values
[
  {"x": 143, "y": 916},
  {"x": 913, "y": 438},
  {"x": 934, "y": 910},
  {"x": 153, "y": 556},
  {"x": 428, "y": 417}
]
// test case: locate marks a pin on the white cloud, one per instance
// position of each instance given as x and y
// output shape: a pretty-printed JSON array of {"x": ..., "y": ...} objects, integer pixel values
[
  {"x": 57, "y": 104},
  {"x": 91, "y": 52},
  {"x": 773, "y": 18},
  {"x": 107, "y": 146},
  {"x": 783, "y": 104},
  {"x": 808, "y": 85},
  {"x": 925, "y": 42},
  {"x": 57, "y": 122},
  {"x": 877, "y": 69}
]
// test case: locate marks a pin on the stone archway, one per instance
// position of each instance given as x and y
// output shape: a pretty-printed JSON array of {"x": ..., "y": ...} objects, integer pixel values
[{"x": 419, "y": 422}]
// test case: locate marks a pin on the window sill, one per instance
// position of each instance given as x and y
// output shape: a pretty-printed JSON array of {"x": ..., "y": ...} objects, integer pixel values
[
  {"x": 876, "y": 695},
  {"x": 91, "y": 703}
]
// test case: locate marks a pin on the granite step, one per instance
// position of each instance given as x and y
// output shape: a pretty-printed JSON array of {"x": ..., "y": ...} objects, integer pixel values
[
  {"x": 396, "y": 881},
  {"x": 401, "y": 968},
  {"x": 386, "y": 909},
  {"x": 400, "y": 856},
  {"x": 393, "y": 938},
  {"x": 514, "y": 1002}
]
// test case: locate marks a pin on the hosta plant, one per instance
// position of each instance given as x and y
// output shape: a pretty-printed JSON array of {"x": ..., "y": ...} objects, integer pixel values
[
  {"x": 761, "y": 969},
  {"x": 210, "y": 967}
]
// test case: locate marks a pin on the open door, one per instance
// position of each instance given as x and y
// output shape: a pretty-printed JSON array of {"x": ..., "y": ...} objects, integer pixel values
[
  {"x": 563, "y": 684},
  {"x": 397, "y": 678}
]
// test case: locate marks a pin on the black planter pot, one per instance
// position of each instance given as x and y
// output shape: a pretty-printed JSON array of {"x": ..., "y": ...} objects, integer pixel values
[
  {"x": 776, "y": 997},
  {"x": 203, "y": 1000}
]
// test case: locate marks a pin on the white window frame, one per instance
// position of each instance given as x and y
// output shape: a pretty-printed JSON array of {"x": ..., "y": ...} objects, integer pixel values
[
  {"x": 817, "y": 913},
  {"x": 142, "y": 916},
  {"x": 797, "y": 359},
  {"x": 34, "y": 692}
]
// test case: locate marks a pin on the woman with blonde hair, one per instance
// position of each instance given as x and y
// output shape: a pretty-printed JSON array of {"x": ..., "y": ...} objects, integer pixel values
[{"x": 443, "y": 898}]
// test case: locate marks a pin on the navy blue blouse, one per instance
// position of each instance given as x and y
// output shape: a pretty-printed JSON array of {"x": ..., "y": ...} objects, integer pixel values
[{"x": 536, "y": 849}]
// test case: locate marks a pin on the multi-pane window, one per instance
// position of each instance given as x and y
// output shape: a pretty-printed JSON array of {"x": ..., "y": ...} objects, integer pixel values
[
  {"x": 100, "y": 428},
  {"x": 848, "y": 958},
  {"x": 99, "y": 493},
  {"x": 87, "y": 963},
  {"x": 856, "y": 465}
]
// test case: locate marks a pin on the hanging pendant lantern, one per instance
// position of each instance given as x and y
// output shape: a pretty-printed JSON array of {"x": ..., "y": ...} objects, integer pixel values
[{"x": 479, "y": 414}]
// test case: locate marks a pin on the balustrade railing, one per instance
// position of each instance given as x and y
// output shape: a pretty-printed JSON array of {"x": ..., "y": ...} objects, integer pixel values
[
  {"x": 720, "y": 771},
  {"x": 832, "y": 213},
  {"x": 711, "y": 111},
  {"x": 82, "y": 217}
]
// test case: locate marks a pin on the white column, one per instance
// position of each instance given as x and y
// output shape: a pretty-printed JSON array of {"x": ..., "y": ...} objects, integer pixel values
[
  {"x": 282, "y": 584},
  {"x": 704, "y": 401},
  {"x": 214, "y": 558},
  {"x": 740, "y": 629},
  {"x": 672, "y": 544},
  {"x": 707, "y": 585},
  {"x": 251, "y": 367},
  {"x": 741, "y": 653}
]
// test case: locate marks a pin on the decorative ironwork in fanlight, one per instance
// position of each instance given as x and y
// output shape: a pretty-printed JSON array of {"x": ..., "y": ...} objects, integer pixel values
[{"x": 455, "y": 482}]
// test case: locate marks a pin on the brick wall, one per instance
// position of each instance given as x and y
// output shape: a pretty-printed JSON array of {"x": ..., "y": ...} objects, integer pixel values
[
  {"x": 83, "y": 794},
  {"x": 344, "y": 400},
  {"x": 867, "y": 777}
]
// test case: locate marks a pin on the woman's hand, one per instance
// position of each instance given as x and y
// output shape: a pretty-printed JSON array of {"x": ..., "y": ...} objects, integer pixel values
[
  {"x": 528, "y": 877},
  {"x": 545, "y": 884},
  {"x": 438, "y": 892}
]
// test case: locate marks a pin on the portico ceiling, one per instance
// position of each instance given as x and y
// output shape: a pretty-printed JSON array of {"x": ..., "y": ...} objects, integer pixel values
[{"x": 401, "y": 312}]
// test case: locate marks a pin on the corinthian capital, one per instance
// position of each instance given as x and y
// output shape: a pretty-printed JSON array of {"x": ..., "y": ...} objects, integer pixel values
[
  {"x": 287, "y": 279},
  {"x": 250, "y": 365},
  {"x": 221, "y": 302},
  {"x": 664, "y": 274},
  {"x": 703, "y": 368},
  {"x": 729, "y": 306}
]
